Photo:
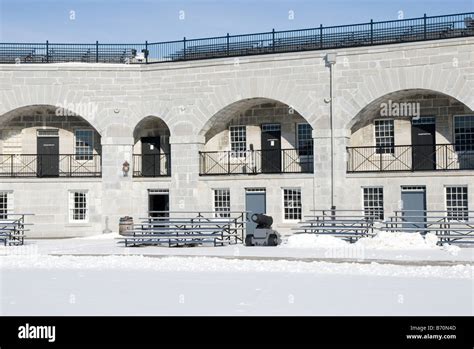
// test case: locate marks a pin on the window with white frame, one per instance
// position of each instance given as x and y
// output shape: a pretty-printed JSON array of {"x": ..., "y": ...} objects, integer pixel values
[
  {"x": 78, "y": 206},
  {"x": 222, "y": 202},
  {"x": 84, "y": 144},
  {"x": 456, "y": 202},
  {"x": 6, "y": 204},
  {"x": 373, "y": 202},
  {"x": 464, "y": 132},
  {"x": 292, "y": 204},
  {"x": 384, "y": 136},
  {"x": 238, "y": 140},
  {"x": 304, "y": 139}
]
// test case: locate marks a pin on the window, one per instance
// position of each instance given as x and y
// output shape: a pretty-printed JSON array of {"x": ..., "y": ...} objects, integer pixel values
[
  {"x": 304, "y": 139},
  {"x": 271, "y": 128},
  {"x": 292, "y": 204},
  {"x": 78, "y": 206},
  {"x": 424, "y": 120},
  {"x": 456, "y": 203},
  {"x": 222, "y": 202},
  {"x": 373, "y": 202},
  {"x": 384, "y": 136},
  {"x": 464, "y": 133},
  {"x": 48, "y": 132},
  {"x": 84, "y": 144},
  {"x": 6, "y": 204},
  {"x": 238, "y": 141}
]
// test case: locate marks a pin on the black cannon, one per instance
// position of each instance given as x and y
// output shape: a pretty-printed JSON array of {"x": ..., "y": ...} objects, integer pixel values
[
  {"x": 263, "y": 234},
  {"x": 263, "y": 221}
]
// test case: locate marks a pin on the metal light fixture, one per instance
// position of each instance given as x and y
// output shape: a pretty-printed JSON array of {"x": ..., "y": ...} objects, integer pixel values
[{"x": 125, "y": 168}]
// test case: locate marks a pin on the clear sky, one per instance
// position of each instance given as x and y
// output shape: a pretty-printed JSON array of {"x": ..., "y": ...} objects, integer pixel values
[{"x": 123, "y": 21}]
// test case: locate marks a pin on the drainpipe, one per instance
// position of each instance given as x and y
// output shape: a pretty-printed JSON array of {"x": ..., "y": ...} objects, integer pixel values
[{"x": 330, "y": 61}]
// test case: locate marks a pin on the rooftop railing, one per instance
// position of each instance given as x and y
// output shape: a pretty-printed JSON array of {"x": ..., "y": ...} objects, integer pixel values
[{"x": 319, "y": 38}]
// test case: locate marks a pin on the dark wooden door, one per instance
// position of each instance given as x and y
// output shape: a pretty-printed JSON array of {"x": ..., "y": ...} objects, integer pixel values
[
  {"x": 271, "y": 148},
  {"x": 150, "y": 156},
  {"x": 48, "y": 156},
  {"x": 158, "y": 205},
  {"x": 424, "y": 146}
]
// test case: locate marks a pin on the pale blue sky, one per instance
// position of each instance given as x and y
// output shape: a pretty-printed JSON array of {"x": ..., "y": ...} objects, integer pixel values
[{"x": 130, "y": 21}]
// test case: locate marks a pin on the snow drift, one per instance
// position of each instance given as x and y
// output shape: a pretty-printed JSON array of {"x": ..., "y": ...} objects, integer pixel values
[{"x": 383, "y": 240}]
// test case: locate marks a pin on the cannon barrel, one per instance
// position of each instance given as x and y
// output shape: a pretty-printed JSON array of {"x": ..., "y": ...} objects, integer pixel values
[{"x": 263, "y": 221}]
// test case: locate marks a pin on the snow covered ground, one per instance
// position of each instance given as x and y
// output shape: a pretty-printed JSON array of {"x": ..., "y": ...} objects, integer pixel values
[
  {"x": 389, "y": 247},
  {"x": 132, "y": 285},
  {"x": 308, "y": 275}
]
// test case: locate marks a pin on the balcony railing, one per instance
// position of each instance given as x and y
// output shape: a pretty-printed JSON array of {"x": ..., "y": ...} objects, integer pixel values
[
  {"x": 152, "y": 165},
  {"x": 46, "y": 165},
  {"x": 409, "y": 158},
  {"x": 319, "y": 38},
  {"x": 256, "y": 161}
]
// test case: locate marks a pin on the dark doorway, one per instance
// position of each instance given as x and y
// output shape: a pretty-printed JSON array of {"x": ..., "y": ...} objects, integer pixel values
[
  {"x": 255, "y": 202},
  {"x": 271, "y": 148},
  {"x": 423, "y": 138},
  {"x": 414, "y": 208},
  {"x": 48, "y": 156},
  {"x": 158, "y": 203},
  {"x": 151, "y": 156}
]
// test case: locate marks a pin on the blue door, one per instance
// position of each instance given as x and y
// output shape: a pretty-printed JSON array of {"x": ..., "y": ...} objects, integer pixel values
[
  {"x": 414, "y": 208},
  {"x": 255, "y": 202}
]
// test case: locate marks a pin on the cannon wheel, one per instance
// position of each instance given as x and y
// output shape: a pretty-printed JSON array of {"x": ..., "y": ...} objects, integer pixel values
[
  {"x": 272, "y": 240},
  {"x": 248, "y": 240}
]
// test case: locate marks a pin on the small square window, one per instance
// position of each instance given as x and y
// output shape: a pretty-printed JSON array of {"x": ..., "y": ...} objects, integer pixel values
[
  {"x": 464, "y": 132},
  {"x": 384, "y": 136},
  {"x": 305, "y": 139},
  {"x": 222, "y": 202},
  {"x": 6, "y": 204},
  {"x": 78, "y": 206},
  {"x": 84, "y": 144},
  {"x": 292, "y": 208},
  {"x": 238, "y": 141},
  {"x": 373, "y": 202},
  {"x": 456, "y": 202}
]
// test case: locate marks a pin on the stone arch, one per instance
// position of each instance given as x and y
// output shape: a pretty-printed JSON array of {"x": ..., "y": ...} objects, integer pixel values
[
  {"x": 237, "y": 131},
  {"x": 389, "y": 82},
  {"x": 21, "y": 124},
  {"x": 59, "y": 96},
  {"x": 371, "y": 110},
  {"x": 151, "y": 147},
  {"x": 150, "y": 126},
  {"x": 409, "y": 128},
  {"x": 224, "y": 116}
]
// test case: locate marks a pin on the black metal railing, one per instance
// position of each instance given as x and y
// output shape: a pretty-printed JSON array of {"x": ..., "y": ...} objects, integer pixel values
[
  {"x": 408, "y": 158},
  {"x": 353, "y": 35},
  {"x": 39, "y": 165},
  {"x": 255, "y": 161},
  {"x": 152, "y": 165}
]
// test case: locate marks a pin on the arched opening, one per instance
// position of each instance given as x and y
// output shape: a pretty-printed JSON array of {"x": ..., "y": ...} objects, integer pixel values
[
  {"x": 412, "y": 130},
  {"x": 152, "y": 151},
  {"x": 48, "y": 141},
  {"x": 257, "y": 135}
]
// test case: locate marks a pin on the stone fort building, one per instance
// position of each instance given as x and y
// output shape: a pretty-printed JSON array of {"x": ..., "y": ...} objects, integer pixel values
[{"x": 87, "y": 137}]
